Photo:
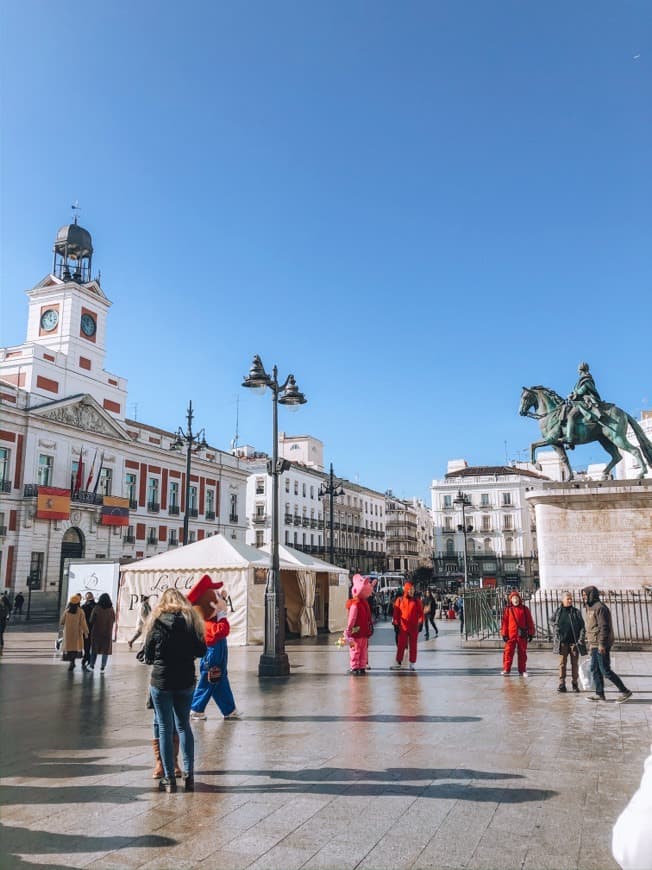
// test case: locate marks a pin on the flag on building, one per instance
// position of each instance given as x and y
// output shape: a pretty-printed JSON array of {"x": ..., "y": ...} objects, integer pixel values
[
  {"x": 79, "y": 477},
  {"x": 90, "y": 474},
  {"x": 115, "y": 511},
  {"x": 99, "y": 475},
  {"x": 52, "y": 503}
]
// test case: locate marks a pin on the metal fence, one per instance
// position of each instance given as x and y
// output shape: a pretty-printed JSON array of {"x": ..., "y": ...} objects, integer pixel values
[{"x": 631, "y": 613}]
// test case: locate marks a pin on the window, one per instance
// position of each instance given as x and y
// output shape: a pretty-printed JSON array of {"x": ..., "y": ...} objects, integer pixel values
[
  {"x": 487, "y": 545},
  {"x": 174, "y": 494},
  {"x": 233, "y": 514},
  {"x": 210, "y": 502},
  {"x": 303, "y": 489},
  {"x": 44, "y": 474},
  {"x": 507, "y": 499},
  {"x": 287, "y": 537},
  {"x": 509, "y": 546},
  {"x": 106, "y": 481},
  {"x": 296, "y": 487},
  {"x": 508, "y": 521},
  {"x": 36, "y": 569},
  {"x": 260, "y": 486},
  {"x": 486, "y": 523},
  {"x": 296, "y": 538},
  {"x": 312, "y": 492},
  {"x": 260, "y": 539},
  {"x": 152, "y": 490},
  {"x": 287, "y": 484},
  {"x": 448, "y": 524},
  {"x": 260, "y": 512},
  {"x": 450, "y": 547},
  {"x": 448, "y": 501},
  {"x": 5, "y": 455},
  {"x": 128, "y": 536},
  {"x": 130, "y": 487},
  {"x": 192, "y": 498},
  {"x": 484, "y": 499},
  {"x": 152, "y": 535},
  {"x": 192, "y": 537}
]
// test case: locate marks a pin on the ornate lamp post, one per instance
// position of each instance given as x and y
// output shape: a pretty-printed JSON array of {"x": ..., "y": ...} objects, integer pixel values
[
  {"x": 331, "y": 489},
  {"x": 274, "y": 661},
  {"x": 194, "y": 441},
  {"x": 464, "y": 501}
]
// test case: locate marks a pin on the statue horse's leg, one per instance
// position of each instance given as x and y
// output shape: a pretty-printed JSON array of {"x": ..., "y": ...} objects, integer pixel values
[
  {"x": 613, "y": 451},
  {"x": 614, "y": 442},
  {"x": 558, "y": 447}
]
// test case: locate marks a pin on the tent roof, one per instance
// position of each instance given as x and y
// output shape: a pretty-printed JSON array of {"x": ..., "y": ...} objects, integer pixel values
[
  {"x": 209, "y": 554},
  {"x": 296, "y": 557}
]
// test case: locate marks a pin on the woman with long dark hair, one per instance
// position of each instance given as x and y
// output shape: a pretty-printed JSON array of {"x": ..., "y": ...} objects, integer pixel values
[
  {"x": 174, "y": 639},
  {"x": 102, "y": 622}
]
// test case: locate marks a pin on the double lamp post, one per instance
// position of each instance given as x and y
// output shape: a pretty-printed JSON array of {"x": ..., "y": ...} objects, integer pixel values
[
  {"x": 274, "y": 661},
  {"x": 331, "y": 489},
  {"x": 194, "y": 441},
  {"x": 463, "y": 501}
]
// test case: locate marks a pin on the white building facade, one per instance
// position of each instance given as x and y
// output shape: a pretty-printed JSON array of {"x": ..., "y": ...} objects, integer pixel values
[{"x": 61, "y": 407}]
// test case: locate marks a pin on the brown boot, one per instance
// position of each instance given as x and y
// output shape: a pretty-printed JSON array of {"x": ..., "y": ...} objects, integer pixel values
[
  {"x": 158, "y": 770},
  {"x": 177, "y": 769}
]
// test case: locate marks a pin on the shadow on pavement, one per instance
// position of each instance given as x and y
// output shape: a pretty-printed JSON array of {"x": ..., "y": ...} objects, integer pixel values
[
  {"x": 376, "y": 717},
  {"x": 345, "y": 774},
  {"x": 15, "y": 795}
]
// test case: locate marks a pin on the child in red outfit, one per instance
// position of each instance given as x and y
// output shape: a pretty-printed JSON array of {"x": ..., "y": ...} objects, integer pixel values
[
  {"x": 360, "y": 625},
  {"x": 408, "y": 616},
  {"x": 517, "y": 629}
]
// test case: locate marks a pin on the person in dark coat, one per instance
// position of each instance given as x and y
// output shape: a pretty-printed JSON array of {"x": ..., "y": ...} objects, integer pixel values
[
  {"x": 600, "y": 638},
  {"x": 4, "y": 615},
  {"x": 175, "y": 638},
  {"x": 568, "y": 639},
  {"x": 88, "y": 606},
  {"x": 102, "y": 622}
]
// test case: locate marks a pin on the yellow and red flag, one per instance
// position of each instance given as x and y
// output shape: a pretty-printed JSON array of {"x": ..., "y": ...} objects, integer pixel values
[
  {"x": 52, "y": 503},
  {"x": 115, "y": 511}
]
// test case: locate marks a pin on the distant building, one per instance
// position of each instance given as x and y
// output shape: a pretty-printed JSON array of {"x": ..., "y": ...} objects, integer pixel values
[
  {"x": 68, "y": 452},
  {"x": 409, "y": 534},
  {"x": 500, "y": 534}
]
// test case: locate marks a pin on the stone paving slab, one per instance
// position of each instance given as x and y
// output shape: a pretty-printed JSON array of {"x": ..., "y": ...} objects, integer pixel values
[{"x": 451, "y": 767}]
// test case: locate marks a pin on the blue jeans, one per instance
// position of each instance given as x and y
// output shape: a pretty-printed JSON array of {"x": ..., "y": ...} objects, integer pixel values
[
  {"x": 601, "y": 668},
  {"x": 93, "y": 659},
  {"x": 172, "y": 708}
]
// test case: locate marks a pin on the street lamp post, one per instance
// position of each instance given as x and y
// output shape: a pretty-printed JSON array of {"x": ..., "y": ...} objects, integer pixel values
[
  {"x": 464, "y": 501},
  {"x": 274, "y": 661},
  {"x": 331, "y": 489},
  {"x": 194, "y": 441}
]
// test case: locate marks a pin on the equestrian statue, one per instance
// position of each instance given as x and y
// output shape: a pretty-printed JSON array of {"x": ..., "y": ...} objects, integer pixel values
[{"x": 581, "y": 419}]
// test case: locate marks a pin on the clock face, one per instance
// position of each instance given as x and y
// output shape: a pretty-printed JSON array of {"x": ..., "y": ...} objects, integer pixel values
[
  {"x": 49, "y": 319},
  {"x": 88, "y": 324}
]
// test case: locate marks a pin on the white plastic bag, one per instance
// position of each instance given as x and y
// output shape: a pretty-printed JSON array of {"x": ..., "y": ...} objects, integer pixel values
[{"x": 586, "y": 677}]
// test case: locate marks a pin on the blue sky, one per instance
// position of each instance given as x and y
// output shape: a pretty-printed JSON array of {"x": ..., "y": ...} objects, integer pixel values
[{"x": 417, "y": 208}]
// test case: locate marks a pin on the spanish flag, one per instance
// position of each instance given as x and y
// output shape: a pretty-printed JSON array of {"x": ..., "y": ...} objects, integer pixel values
[
  {"x": 52, "y": 503},
  {"x": 115, "y": 511}
]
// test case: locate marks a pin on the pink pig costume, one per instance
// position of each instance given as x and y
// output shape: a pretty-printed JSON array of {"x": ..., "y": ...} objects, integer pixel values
[{"x": 360, "y": 626}]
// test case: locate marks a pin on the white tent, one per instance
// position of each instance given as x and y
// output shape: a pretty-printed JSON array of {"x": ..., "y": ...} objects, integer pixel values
[
  {"x": 315, "y": 592},
  {"x": 241, "y": 568}
]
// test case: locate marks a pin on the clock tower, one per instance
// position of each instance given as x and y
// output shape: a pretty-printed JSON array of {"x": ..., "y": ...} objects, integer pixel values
[{"x": 65, "y": 348}]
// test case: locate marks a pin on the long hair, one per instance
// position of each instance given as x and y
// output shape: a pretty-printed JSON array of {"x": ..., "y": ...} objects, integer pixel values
[
  {"x": 105, "y": 601},
  {"x": 172, "y": 601}
]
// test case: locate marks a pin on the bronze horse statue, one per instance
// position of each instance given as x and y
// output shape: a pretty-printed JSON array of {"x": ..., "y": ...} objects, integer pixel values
[{"x": 609, "y": 429}]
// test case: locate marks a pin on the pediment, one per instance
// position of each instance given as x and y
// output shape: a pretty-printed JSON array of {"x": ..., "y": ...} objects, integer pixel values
[{"x": 82, "y": 412}]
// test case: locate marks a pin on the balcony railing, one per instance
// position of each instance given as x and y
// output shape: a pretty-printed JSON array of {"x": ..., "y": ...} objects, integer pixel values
[
  {"x": 173, "y": 541},
  {"x": 129, "y": 539},
  {"x": 5, "y": 486},
  {"x": 305, "y": 522},
  {"x": 83, "y": 497},
  {"x": 288, "y": 519},
  {"x": 233, "y": 518},
  {"x": 173, "y": 510},
  {"x": 152, "y": 540},
  {"x": 30, "y": 490},
  {"x": 297, "y": 519},
  {"x": 210, "y": 515},
  {"x": 193, "y": 512},
  {"x": 3, "y": 531},
  {"x": 259, "y": 519},
  {"x": 133, "y": 504},
  {"x": 153, "y": 507}
]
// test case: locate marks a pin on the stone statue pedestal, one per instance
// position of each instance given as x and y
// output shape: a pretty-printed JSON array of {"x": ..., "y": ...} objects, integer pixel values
[{"x": 594, "y": 534}]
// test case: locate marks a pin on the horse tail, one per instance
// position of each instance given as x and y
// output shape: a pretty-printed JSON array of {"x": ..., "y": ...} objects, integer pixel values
[{"x": 643, "y": 440}]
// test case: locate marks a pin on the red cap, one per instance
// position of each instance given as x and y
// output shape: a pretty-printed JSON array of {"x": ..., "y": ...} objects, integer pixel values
[{"x": 202, "y": 586}]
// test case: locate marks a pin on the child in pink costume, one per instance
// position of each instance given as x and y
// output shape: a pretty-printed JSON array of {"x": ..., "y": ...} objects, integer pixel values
[{"x": 360, "y": 625}]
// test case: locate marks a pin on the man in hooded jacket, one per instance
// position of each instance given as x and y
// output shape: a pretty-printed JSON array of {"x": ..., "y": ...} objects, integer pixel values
[{"x": 600, "y": 639}]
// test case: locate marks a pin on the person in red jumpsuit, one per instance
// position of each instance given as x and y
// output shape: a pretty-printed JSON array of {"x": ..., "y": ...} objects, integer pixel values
[
  {"x": 408, "y": 616},
  {"x": 517, "y": 629}
]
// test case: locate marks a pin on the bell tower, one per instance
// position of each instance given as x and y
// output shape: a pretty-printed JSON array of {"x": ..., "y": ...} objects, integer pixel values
[{"x": 73, "y": 253}]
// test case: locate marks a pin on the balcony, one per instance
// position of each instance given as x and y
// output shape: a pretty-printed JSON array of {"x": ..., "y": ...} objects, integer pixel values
[
  {"x": 84, "y": 497},
  {"x": 133, "y": 504},
  {"x": 152, "y": 540},
  {"x": 30, "y": 490},
  {"x": 129, "y": 539},
  {"x": 193, "y": 513},
  {"x": 288, "y": 519},
  {"x": 210, "y": 515},
  {"x": 5, "y": 486},
  {"x": 233, "y": 518},
  {"x": 260, "y": 519},
  {"x": 153, "y": 507},
  {"x": 305, "y": 522},
  {"x": 3, "y": 531},
  {"x": 173, "y": 541},
  {"x": 173, "y": 510},
  {"x": 297, "y": 520}
]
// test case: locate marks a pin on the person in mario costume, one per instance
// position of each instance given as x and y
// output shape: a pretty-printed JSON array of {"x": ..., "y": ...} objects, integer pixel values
[
  {"x": 207, "y": 597},
  {"x": 359, "y": 626}
]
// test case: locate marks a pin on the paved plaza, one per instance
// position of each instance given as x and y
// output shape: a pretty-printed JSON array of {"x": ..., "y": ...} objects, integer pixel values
[{"x": 454, "y": 766}]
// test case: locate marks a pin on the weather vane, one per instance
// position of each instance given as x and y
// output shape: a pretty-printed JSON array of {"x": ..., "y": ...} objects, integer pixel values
[{"x": 75, "y": 208}]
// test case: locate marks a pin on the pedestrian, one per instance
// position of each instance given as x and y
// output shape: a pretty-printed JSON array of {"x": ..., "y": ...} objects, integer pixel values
[
  {"x": 6, "y": 603},
  {"x": 395, "y": 622},
  {"x": 174, "y": 639},
  {"x": 143, "y": 615},
  {"x": 429, "y": 610},
  {"x": 75, "y": 629},
  {"x": 102, "y": 622},
  {"x": 458, "y": 607},
  {"x": 631, "y": 840},
  {"x": 517, "y": 629},
  {"x": 4, "y": 616},
  {"x": 19, "y": 600},
  {"x": 359, "y": 627},
  {"x": 209, "y": 600},
  {"x": 600, "y": 639},
  {"x": 408, "y": 615},
  {"x": 568, "y": 640},
  {"x": 87, "y": 607}
]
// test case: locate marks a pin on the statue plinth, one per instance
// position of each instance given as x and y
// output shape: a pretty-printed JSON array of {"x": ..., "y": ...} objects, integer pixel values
[{"x": 594, "y": 534}]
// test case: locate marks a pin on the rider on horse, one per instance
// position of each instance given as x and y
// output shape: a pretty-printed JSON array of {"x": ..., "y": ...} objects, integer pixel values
[{"x": 584, "y": 403}]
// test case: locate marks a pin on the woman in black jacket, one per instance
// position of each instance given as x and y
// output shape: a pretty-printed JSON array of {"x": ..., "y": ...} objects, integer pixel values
[{"x": 175, "y": 638}]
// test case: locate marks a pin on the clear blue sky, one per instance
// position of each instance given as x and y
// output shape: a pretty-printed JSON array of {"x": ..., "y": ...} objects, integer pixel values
[{"x": 415, "y": 207}]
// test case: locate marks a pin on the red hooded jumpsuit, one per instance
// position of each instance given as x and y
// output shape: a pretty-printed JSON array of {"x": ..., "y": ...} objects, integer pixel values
[{"x": 517, "y": 626}]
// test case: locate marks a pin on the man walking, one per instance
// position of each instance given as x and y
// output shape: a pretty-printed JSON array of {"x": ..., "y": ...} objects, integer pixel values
[
  {"x": 600, "y": 639},
  {"x": 429, "y": 608},
  {"x": 143, "y": 615}
]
